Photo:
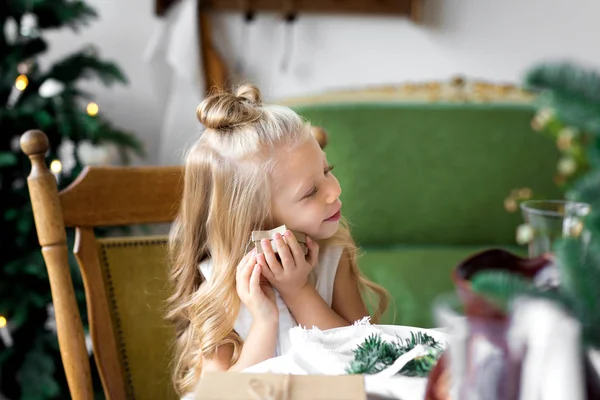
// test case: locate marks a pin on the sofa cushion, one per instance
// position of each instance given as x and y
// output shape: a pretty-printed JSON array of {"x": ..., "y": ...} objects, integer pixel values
[
  {"x": 415, "y": 276},
  {"x": 434, "y": 173}
]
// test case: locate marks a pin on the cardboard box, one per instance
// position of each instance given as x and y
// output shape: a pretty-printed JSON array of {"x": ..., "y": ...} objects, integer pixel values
[
  {"x": 257, "y": 236},
  {"x": 244, "y": 386}
]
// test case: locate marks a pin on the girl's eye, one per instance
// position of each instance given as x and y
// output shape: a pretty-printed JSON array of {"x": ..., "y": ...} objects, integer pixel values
[{"x": 312, "y": 192}]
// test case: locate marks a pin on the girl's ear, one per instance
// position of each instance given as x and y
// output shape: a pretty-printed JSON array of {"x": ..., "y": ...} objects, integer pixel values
[{"x": 320, "y": 134}]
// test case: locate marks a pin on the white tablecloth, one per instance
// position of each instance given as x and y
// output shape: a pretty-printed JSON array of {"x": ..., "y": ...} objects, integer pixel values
[{"x": 398, "y": 387}]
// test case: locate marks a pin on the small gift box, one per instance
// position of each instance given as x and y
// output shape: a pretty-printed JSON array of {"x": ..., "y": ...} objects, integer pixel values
[
  {"x": 257, "y": 236},
  {"x": 246, "y": 386}
]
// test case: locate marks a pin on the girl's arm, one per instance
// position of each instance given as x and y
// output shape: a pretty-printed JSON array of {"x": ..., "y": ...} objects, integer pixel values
[
  {"x": 262, "y": 338},
  {"x": 309, "y": 309},
  {"x": 347, "y": 300},
  {"x": 258, "y": 347}
]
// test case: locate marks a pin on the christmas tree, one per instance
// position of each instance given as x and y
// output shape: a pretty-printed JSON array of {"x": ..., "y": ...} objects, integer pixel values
[{"x": 50, "y": 100}]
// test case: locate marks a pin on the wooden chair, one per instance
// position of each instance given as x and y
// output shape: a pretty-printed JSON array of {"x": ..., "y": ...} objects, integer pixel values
[{"x": 125, "y": 279}]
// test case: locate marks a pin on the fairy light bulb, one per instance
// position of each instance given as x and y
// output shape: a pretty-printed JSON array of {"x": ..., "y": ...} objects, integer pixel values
[
  {"x": 92, "y": 109},
  {"x": 56, "y": 166},
  {"x": 20, "y": 85},
  {"x": 5, "y": 336},
  {"x": 21, "y": 82}
]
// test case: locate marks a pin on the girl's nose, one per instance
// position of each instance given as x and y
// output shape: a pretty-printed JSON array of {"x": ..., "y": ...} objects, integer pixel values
[{"x": 333, "y": 192}]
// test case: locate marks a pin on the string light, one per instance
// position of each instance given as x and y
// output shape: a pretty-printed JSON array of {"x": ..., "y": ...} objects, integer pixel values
[
  {"x": 56, "y": 166},
  {"x": 5, "y": 333},
  {"x": 92, "y": 109},
  {"x": 21, "y": 82},
  {"x": 20, "y": 85}
]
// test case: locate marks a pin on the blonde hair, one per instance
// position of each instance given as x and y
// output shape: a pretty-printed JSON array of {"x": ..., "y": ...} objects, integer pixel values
[{"x": 227, "y": 195}]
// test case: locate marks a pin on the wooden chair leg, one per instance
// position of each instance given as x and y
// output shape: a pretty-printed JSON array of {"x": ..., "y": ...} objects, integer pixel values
[{"x": 53, "y": 239}]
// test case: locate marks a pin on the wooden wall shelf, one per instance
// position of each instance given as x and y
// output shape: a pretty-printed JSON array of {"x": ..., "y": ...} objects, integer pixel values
[
  {"x": 378, "y": 7},
  {"x": 410, "y": 8}
]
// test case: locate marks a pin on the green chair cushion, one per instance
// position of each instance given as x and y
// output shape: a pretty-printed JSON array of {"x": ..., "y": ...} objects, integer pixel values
[{"x": 135, "y": 276}]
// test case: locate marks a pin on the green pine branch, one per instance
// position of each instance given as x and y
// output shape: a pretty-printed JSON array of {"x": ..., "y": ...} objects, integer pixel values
[
  {"x": 74, "y": 14},
  {"x": 36, "y": 375},
  {"x": 566, "y": 77},
  {"x": 108, "y": 133},
  {"x": 55, "y": 13},
  {"x": 587, "y": 189},
  {"x": 13, "y": 54},
  {"x": 7, "y": 159},
  {"x": 574, "y": 111},
  {"x": 374, "y": 355},
  {"x": 573, "y": 94},
  {"x": 503, "y": 287},
  {"x": 578, "y": 293},
  {"x": 572, "y": 91},
  {"x": 593, "y": 152},
  {"x": 80, "y": 65},
  {"x": 579, "y": 264},
  {"x": 78, "y": 125}
]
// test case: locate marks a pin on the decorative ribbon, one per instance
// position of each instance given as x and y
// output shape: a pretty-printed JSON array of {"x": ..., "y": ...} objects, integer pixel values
[{"x": 261, "y": 390}]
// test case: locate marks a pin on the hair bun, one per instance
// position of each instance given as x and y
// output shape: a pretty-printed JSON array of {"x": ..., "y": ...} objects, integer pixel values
[
  {"x": 225, "y": 111},
  {"x": 249, "y": 93}
]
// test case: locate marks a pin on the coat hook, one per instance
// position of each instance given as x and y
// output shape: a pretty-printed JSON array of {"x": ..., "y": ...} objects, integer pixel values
[
  {"x": 290, "y": 16},
  {"x": 249, "y": 16}
]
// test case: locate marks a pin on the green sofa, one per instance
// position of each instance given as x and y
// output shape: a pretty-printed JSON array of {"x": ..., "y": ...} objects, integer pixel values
[{"x": 424, "y": 187}]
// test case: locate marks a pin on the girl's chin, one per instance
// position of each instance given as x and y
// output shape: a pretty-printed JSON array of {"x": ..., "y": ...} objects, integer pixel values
[{"x": 326, "y": 231}]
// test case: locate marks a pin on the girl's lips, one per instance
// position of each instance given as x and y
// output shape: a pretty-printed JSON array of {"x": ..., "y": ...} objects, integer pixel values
[{"x": 335, "y": 217}]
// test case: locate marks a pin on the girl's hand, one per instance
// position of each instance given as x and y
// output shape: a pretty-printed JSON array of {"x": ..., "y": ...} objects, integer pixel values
[
  {"x": 257, "y": 295},
  {"x": 291, "y": 274}
]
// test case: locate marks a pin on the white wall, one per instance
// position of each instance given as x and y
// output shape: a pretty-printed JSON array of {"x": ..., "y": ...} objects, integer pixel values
[{"x": 487, "y": 39}]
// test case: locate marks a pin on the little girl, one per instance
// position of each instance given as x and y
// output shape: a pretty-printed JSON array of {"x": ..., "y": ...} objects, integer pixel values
[{"x": 256, "y": 167}]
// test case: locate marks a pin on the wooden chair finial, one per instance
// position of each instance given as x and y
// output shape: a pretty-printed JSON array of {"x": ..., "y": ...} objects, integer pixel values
[
  {"x": 34, "y": 142},
  {"x": 52, "y": 237}
]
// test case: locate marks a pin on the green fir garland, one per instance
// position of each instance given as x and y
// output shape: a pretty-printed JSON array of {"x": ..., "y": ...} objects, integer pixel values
[{"x": 374, "y": 355}]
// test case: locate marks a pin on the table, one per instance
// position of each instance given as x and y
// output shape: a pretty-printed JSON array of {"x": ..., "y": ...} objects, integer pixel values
[{"x": 398, "y": 387}]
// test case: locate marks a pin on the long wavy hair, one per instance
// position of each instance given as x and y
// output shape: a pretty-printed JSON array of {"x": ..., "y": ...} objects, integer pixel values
[{"x": 227, "y": 195}]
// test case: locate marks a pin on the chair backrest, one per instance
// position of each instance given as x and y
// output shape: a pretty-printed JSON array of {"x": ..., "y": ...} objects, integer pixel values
[{"x": 124, "y": 278}]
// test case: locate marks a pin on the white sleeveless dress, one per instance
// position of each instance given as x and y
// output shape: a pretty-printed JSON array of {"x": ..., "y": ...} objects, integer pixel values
[{"x": 325, "y": 270}]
